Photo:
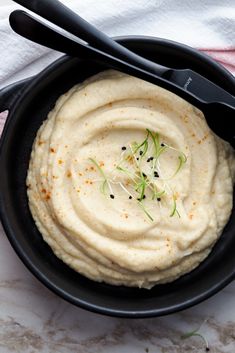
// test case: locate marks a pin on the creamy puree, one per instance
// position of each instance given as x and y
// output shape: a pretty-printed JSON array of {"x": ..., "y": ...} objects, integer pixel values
[{"x": 112, "y": 239}]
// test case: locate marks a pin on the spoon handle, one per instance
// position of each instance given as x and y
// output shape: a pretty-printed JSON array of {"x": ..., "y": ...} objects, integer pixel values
[
  {"x": 32, "y": 29},
  {"x": 39, "y": 32},
  {"x": 59, "y": 14}
]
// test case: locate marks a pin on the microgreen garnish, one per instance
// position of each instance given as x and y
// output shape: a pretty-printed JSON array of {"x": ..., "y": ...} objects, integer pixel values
[
  {"x": 145, "y": 211},
  {"x": 145, "y": 180},
  {"x": 181, "y": 158},
  {"x": 105, "y": 183},
  {"x": 158, "y": 147},
  {"x": 174, "y": 208},
  {"x": 144, "y": 144},
  {"x": 157, "y": 194},
  {"x": 198, "y": 334},
  {"x": 127, "y": 172}
]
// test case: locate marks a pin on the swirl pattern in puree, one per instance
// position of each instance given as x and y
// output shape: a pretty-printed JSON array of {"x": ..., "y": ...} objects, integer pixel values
[{"x": 112, "y": 240}]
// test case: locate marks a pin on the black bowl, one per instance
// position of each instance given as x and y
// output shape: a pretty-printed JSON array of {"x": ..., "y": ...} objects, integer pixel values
[{"x": 29, "y": 102}]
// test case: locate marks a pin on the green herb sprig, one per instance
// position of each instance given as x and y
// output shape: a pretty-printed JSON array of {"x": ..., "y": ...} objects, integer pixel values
[
  {"x": 197, "y": 334},
  {"x": 105, "y": 183},
  {"x": 143, "y": 183}
]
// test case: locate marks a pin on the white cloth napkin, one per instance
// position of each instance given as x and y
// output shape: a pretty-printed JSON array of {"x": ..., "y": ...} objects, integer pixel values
[{"x": 205, "y": 24}]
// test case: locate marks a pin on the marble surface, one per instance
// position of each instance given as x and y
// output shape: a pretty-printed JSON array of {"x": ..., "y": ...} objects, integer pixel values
[{"x": 33, "y": 320}]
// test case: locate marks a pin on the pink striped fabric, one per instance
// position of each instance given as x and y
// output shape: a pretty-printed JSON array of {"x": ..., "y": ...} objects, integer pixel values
[{"x": 226, "y": 57}]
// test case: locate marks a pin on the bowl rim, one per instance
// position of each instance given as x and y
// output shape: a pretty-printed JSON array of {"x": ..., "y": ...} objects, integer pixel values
[{"x": 26, "y": 259}]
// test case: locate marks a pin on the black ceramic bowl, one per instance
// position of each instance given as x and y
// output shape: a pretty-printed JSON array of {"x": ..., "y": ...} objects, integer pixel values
[{"x": 29, "y": 102}]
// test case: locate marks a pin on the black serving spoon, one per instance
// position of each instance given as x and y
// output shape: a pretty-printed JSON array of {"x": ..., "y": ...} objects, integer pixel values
[
  {"x": 57, "y": 13},
  {"x": 123, "y": 60}
]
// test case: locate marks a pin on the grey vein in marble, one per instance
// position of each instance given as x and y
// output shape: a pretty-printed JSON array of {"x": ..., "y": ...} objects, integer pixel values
[{"x": 33, "y": 320}]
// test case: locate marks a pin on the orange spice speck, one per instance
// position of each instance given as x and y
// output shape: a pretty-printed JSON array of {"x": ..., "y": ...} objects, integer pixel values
[
  {"x": 190, "y": 216},
  {"x": 204, "y": 137},
  {"x": 199, "y": 142},
  {"x": 176, "y": 195},
  {"x": 126, "y": 215},
  {"x": 66, "y": 146},
  {"x": 101, "y": 164},
  {"x": 44, "y": 191},
  {"x": 193, "y": 135},
  {"x": 40, "y": 142},
  {"x": 52, "y": 150},
  {"x": 69, "y": 174},
  {"x": 130, "y": 159},
  {"x": 80, "y": 174},
  {"x": 60, "y": 161},
  {"x": 194, "y": 203},
  {"x": 78, "y": 190},
  {"x": 92, "y": 168}
]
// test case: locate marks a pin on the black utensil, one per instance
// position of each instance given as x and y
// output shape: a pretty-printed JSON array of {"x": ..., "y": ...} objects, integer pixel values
[
  {"x": 28, "y": 104},
  {"x": 32, "y": 29},
  {"x": 57, "y": 13}
]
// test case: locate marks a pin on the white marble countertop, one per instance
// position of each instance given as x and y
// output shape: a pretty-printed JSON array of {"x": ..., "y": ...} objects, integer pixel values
[{"x": 35, "y": 320}]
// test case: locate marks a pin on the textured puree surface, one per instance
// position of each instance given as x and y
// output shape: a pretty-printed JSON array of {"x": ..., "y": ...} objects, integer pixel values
[{"x": 111, "y": 239}]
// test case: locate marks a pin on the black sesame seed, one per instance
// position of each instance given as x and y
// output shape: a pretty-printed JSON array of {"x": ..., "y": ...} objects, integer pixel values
[
  {"x": 159, "y": 198},
  {"x": 138, "y": 199},
  {"x": 144, "y": 197},
  {"x": 162, "y": 144},
  {"x": 111, "y": 196},
  {"x": 207, "y": 349},
  {"x": 156, "y": 174},
  {"x": 144, "y": 175},
  {"x": 123, "y": 148},
  {"x": 137, "y": 158},
  {"x": 130, "y": 197},
  {"x": 149, "y": 159},
  {"x": 141, "y": 152}
]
